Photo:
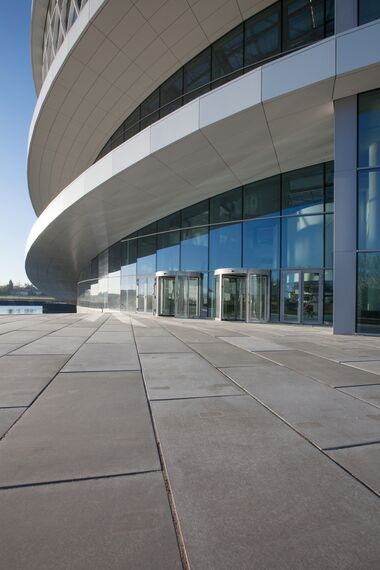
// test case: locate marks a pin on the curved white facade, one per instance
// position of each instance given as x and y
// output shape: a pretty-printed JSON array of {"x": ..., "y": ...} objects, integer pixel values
[{"x": 276, "y": 118}]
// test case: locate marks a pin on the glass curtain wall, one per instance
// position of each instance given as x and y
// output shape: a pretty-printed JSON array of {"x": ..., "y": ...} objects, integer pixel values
[
  {"x": 368, "y": 264},
  {"x": 280, "y": 224},
  {"x": 285, "y": 26},
  {"x": 369, "y": 10}
]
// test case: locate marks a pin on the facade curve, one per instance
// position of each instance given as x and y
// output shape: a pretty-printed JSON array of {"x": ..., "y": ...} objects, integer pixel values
[{"x": 260, "y": 151}]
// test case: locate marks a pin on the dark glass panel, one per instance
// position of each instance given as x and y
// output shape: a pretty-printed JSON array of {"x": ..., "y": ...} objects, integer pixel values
[
  {"x": 172, "y": 222},
  {"x": 261, "y": 244},
  {"x": 94, "y": 267},
  {"x": 275, "y": 296},
  {"x": 196, "y": 215},
  {"x": 226, "y": 207},
  {"x": 302, "y": 190},
  {"x": 329, "y": 187},
  {"x": 103, "y": 263},
  {"x": 171, "y": 93},
  {"x": 369, "y": 129},
  {"x": 302, "y": 242},
  {"x": 329, "y": 241},
  {"x": 263, "y": 35},
  {"x": 262, "y": 198},
  {"x": 114, "y": 257},
  {"x": 146, "y": 260},
  {"x": 150, "y": 229},
  {"x": 369, "y": 209},
  {"x": 168, "y": 251},
  {"x": 225, "y": 246},
  {"x": 368, "y": 296},
  {"x": 197, "y": 76},
  {"x": 303, "y": 22},
  {"x": 194, "y": 249},
  {"x": 132, "y": 124},
  {"x": 328, "y": 300},
  {"x": 330, "y": 18},
  {"x": 149, "y": 110},
  {"x": 129, "y": 257},
  {"x": 118, "y": 137},
  {"x": 369, "y": 10},
  {"x": 227, "y": 57}
]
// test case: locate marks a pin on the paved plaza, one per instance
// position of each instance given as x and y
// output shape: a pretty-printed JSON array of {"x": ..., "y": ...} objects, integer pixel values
[{"x": 133, "y": 442}]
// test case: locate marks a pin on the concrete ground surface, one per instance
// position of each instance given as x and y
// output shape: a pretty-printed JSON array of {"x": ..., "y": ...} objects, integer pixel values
[{"x": 134, "y": 442}]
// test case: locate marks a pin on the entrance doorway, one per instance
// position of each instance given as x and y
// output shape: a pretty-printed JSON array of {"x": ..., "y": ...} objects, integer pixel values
[
  {"x": 302, "y": 297},
  {"x": 242, "y": 295},
  {"x": 178, "y": 294},
  {"x": 144, "y": 298}
]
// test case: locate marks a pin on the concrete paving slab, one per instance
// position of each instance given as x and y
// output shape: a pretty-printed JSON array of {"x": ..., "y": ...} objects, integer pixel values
[
  {"x": 363, "y": 462},
  {"x": 83, "y": 425},
  {"x": 160, "y": 344},
  {"x": 321, "y": 369},
  {"x": 333, "y": 351},
  {"x": 83, "y": 332},
  {"x": 370, "y": 394},
  {"x": 111, "y": 524},
  {"x": 98, "y": 357},
  {"x": 221, "y": 354},
  {"x": 326, "y": 416},
  {"x": 372, "y": 366},
  {"x": 8, "y": 416},
  {"x": 112, "y": 337},
  {"x": 251, "y": 493},
  {"x": 183, "y": 376},
  {"x": 192, "y": 335},
  {"x": 115, "y": 328},
  {"x": 21, "y": 336},
  {"x": 141, "y": 332},
  {"x": 254, "y": 344},
  {"x": 23, "y": 377},
  {"x": 51, "y": 345},
  {"x": 6, "y": 348},
  {"x": 46, "y": 327}
]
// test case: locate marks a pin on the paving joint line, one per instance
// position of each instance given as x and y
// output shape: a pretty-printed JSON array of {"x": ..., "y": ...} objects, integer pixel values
[{"x": 351, "y": 445}]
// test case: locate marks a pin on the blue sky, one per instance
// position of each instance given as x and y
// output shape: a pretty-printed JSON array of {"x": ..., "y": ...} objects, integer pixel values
[{"x": 17, "y": 100}]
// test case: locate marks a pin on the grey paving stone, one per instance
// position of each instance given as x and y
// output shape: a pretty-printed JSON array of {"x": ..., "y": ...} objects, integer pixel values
[
  {"x": 363, "y": 462},
  {"x": 254, "y": 344},
  {"x": 113, "y": 524},
  {"x": 251, "y": 493},
  {"x": 183, "y": 376},
  {"x": 370, "y": 394},
  {"x": 332, "y": 351},
  {"x": 20, "y": 336},
  {"x": 141, "y": 332},
  {"x": 112, "y": 337},
  {"x": 326, "y": 416},
  {"x": 23, "y": 377},
  {"x": 160, "y": 344},
  {"x": 221, "y": 354},
  {"x": 6, "y": 348},
  {"x": 8, "y": 418},
  {"x": 372, "y": 366},
  {"x": 51, "y": 345},
  {"x": 83, "y": 332},
  {"x": 115, "y": 328},
  {"x": 321, "y": 369},
  {"x": 192, "y": 335},
  {"x": 98, "y": 357},
  {"x": 83, "y": 425}
]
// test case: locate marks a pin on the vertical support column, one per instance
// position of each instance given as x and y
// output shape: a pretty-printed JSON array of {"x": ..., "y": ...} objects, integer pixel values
[
  {"x": 345, "y": 227},
  {"x": 346, "y": 15}
]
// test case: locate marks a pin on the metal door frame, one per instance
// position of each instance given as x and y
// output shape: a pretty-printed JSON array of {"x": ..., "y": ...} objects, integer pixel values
[
  {"x": 300, "y": 320},
  {"x": 176, "y": 275}
]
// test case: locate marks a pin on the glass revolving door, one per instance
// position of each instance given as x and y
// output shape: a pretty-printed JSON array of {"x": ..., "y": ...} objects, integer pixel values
[{"x": 178, "y": 294}]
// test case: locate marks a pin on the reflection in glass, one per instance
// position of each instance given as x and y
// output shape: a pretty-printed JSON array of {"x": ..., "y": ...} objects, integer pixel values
[
  {"x": 329, "y": 241},
  {"x": 369, "y": 209},
  {"x": 194, "y": 249},
  {"x": 146, "y": 261},
  {"x": 263, "y": 35},
  {"x": 275, "y": 296},
  {"x": 227, "y": 56},
  {"x": 369, "y": 129},
  {"x": 368, "y": 294},
  {"x": 196, "y": 215},
  {"x": 310, "y": 298},
  {"x": 369, "y": 10},
  {"x": 171, "y": 93},
  {"x": 258, "y": 301},
  {"x": 328, "y": 297},
  {"x": 233, "y": 291},
  {"x": 149, "y": 109},
  {"x": 226, "y": 207},
  {"x": 167, "y": 296},
  {"x": 262, "y": 198},
  {"x": 291, "y": 296},
  {"x": 303, "y": 22},
  {"x": 225, "y": 246},
  {"x": 168, "y": 251},
  {"x": 197, "y": 76},
  {"x": 261, "y": 244},
  {"x": 302, "y": 241},
  {"x": 302, "y": 190}
]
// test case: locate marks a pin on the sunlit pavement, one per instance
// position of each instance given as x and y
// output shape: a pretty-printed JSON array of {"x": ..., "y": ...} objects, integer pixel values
[{"x": 139, "y": 442}]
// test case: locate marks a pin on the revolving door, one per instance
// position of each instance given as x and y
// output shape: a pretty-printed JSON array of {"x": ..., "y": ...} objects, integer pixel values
[{"x": 178, "y": 294}]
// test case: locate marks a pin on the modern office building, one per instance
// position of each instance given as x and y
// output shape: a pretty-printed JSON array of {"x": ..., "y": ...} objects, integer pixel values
[{"x": 208, "y": 158}]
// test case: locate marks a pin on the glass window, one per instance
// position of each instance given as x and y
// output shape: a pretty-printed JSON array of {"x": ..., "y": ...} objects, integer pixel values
[
  {"x": 303, "y": 22},
  {"x": 225, "y": 246},
  {"x": 149, "y": 109},
  {"x": 369, "y": 209},
  {"x": 150, "y": 229},
  {"x": 129, "y": 257},
  {"x": 196, "y": 215},
  {"x": 171, "y": 222},
  {"x": 114, "y": 292},
  {"x": 261, "y": 244},
  {"x": 197, "y": 76},
  {"x": 103, "y": 263},
  {"x": 128, "y": 293},
  {"x": 275, "y": 296},
  {"x": 171, "y": 93},
  {"x": 194, "y": 249},
  {"x": 263, "y": 35},
  {"x": 302, "y": 242},
  {"x": 262, "y": 198},
  {"x": 329, "y": 187},
  {"x": 132, "y": 124},
  {"x": 146, "y": 260},
  {"x": 168, "y": 251},
  {"x": 369, "y": 10},
  {"x": 328, "y": 301},
  {"x": 114, "y": 257},
  {"x": 368, "y": 296},
  {"x": 302, "y": 190},
  {"x": 369, "y": 129},
  {"x": 226, "y": 207},
  {"x": 118, "y": 137},
  {"x": 330, "y": 18},
  {"x": 94, "y": 267},
  {"x": 227, "y": 56},
  {"x": 329, "y": 241}
]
